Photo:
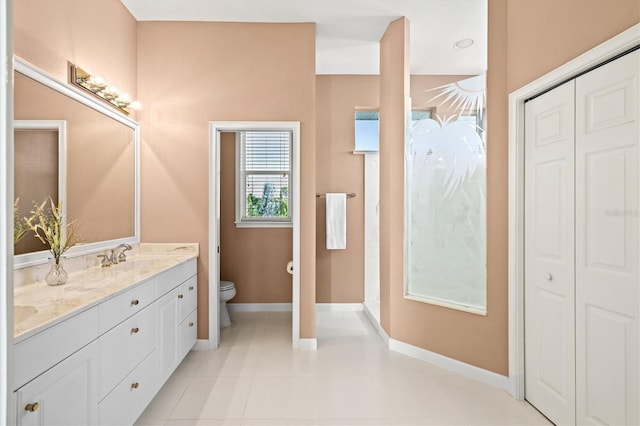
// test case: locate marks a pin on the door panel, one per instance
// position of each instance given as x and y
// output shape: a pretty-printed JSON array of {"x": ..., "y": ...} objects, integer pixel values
[
  {"x": 552, "y": 364},
  {"x": 550, "y": 206},
  {"x": 606, "y": 174},
  {"x": 549, "y": 254},
  {"x": 607, "y": 235}
]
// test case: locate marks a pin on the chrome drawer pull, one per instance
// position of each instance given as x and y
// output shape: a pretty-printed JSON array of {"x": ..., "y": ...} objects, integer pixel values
[
  {"x": 135, "y": 385},
  {"x": 180, "y": 296},
  {"x": 134, "y": 302},
  {"x": 134, "y": 330}
]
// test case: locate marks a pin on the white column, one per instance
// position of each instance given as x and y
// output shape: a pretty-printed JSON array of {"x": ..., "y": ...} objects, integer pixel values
[{"x": 372, "y": 234}]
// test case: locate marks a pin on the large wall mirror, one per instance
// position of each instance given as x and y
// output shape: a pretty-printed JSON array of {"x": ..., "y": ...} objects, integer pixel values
[{"x": 71, "y": 147}]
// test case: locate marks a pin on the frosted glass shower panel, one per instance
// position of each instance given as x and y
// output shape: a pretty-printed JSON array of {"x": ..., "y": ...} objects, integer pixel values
[{"x": 445, "y": 220}]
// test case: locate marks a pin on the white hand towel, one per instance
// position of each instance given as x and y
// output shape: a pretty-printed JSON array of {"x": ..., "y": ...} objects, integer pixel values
[{"x": 336, "y": 221}]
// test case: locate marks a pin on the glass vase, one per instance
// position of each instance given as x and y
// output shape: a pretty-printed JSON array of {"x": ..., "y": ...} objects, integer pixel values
[{"x": 57, "y": 275}]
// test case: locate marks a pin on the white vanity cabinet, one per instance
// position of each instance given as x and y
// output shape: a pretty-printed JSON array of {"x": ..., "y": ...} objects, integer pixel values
[
  {"x": 64, "y": 395},
  {"x": 133, "y": 335},
  {"x": 105, "y": 364},
  {"x": 168, "y": 340},
  {"x": 129, "y": 398},
  {"x": 187, "y": 305},
  {"x": 176, "y": 331}
]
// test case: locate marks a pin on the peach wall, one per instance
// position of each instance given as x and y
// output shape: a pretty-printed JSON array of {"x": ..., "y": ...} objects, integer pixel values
[
  {"x": 99, "y": 36},
  {"x": 193, "y": 73},
  {"x": 544, "y": 34},
  {"x": 252, "y": 258},
  {"x": 394, "y": 96},
  {"x": 340, "y": 273}
]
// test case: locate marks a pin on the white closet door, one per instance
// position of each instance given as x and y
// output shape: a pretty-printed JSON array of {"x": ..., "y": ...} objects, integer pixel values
[
  {"x": 607, "y": 254},
  {"x": 549, "y": 254}
]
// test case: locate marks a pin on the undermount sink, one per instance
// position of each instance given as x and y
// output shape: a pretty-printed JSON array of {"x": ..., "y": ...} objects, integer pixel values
[
  {"x": 137, "y": 263},
  {"x": 20, "y": 313}
]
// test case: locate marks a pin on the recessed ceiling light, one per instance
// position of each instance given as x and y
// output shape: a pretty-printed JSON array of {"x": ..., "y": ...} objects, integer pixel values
[{"x": 463, "y": 44}]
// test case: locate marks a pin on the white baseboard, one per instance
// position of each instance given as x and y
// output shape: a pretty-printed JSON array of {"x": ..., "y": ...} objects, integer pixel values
[
  {"x": 310, "y": 344},
  {"x": 201, "y": 345},
  {"x": 467, "y": 370},
  {"x": 259, "y": 307},
  {"x": 285, "y": 307},
  {"x": 351, "y": 307},
  {"x": 376, "y": 324}
]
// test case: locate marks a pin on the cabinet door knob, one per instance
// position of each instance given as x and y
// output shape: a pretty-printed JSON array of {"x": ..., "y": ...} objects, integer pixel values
[
  {"x": 134, "y": 330},
  {"x": 134, "y": 302},
  {"x": 135, "y": 385},
  {"x": 180, "y": 296},
  {"x": 32, "y": 407},
  {"x": 190, "y": 324},
  {"x": 190, "y": 288},
  {"x": 548, "y": 276}
]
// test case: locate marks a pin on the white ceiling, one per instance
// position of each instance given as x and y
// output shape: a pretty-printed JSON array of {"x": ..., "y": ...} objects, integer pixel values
[{"x": 348, "y": 31}]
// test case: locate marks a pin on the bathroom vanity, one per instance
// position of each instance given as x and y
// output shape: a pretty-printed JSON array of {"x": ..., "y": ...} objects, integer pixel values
[{"x": 97, "y": 350}]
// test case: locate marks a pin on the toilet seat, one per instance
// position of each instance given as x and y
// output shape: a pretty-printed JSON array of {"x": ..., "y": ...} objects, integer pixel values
[{"x": 226, "y": 285}]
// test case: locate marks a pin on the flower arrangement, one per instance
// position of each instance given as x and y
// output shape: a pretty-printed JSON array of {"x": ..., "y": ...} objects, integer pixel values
[
  {"x": 20, "y": 227},
  {"x": 49, "y": 227}
]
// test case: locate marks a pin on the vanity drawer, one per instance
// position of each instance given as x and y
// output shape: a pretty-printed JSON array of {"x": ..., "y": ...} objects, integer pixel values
[
  {"x": 130, "y": 397},
  {"x": 47, "y": 348},
  {"x": 115, "y": 310},
  {"x": 188, "y": 297},
  {"x": 176, "y": 276},
  {"x": 188, "y": 334},
  {"x": 123, "y": 347}
]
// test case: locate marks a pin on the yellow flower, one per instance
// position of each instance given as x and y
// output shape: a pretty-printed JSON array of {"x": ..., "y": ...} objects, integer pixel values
[
  {"x": 50, "y": 229},
  {"x": 20, "y": 227}
]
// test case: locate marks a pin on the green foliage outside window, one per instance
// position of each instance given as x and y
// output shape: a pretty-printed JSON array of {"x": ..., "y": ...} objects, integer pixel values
[{"x": 270, "y": 204}]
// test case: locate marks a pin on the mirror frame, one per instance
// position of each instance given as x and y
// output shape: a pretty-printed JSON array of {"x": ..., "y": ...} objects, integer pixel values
[{"x": 35, "y": 73}]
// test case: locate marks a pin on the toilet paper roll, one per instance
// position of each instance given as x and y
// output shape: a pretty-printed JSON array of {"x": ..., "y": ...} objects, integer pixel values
[{"x": 290, "y": 267}]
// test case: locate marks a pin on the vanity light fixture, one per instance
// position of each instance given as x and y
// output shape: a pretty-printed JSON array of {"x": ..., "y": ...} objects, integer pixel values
[{"x": 98, "y": 86}]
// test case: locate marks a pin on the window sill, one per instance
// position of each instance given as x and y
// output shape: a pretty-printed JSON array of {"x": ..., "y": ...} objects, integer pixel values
[
  {"x": 450, "y": 305},
  {"x": 264, "y": 225}
]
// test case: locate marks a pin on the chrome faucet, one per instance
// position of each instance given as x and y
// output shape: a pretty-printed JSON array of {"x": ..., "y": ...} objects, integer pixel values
[
  {"x": 113, "y": 259},
  {"x": 122, "y": 257},
  {"x": 106, "y": 260}
]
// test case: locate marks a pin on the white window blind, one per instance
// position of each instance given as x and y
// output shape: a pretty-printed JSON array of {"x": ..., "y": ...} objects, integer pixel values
[{"x": 265, "y": 176}]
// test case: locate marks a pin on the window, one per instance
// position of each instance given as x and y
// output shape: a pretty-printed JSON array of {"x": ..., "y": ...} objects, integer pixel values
[
  {"x": 367, "y": 126},
  {"x": 445, "y": 215},
  {"x": 263, "y": 178},
  {"x": 477, "y": 119}
]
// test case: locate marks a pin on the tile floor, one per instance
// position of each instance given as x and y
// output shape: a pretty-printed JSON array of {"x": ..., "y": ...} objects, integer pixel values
[{"x": 255, "y": 378}]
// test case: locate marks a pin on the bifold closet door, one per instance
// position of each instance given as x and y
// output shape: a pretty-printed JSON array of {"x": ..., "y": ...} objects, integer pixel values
[
  {"x": 607, "y": 234},
  {"x": 549, "y": 254}
]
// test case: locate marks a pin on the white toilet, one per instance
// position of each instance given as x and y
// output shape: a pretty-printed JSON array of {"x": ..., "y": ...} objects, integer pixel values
[{"x": 227, "y": 292}]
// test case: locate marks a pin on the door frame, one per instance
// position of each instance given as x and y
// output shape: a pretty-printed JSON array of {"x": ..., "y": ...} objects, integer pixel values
[
  {"x": 7, "y": 401},
  {"x": 596, "y": 56},
  {"x": 215, "y": 128}
]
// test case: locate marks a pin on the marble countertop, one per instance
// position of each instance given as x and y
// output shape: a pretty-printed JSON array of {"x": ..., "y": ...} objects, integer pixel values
[{"x": 38, "y": 306}]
